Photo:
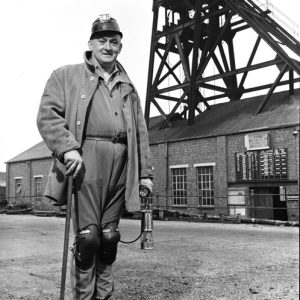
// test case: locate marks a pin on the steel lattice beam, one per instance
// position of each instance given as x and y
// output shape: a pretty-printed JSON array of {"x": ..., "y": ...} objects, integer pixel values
[{"x": 190, "y": 38}]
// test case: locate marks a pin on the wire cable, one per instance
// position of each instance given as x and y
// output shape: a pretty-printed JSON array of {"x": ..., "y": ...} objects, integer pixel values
[{"x": 130, "y": 242}]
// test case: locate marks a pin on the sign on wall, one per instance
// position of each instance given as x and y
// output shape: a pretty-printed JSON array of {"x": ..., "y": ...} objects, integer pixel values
[
  {"x": 261, "y": 165},
  {"x": 257, "y": 140}
]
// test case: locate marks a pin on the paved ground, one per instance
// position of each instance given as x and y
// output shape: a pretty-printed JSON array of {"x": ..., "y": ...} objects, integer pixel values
[{"x": 189, "y": 261}]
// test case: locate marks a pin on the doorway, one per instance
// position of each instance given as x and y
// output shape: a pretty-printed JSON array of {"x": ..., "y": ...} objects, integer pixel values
[{"x": 267, "y": 204}]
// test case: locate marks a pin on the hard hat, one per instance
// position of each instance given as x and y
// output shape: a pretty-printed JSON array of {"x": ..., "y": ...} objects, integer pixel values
[{"x": 105, "y": 23}]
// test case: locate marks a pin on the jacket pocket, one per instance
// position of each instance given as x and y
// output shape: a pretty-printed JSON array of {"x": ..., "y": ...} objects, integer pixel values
[{"x": 56, "y": 188}]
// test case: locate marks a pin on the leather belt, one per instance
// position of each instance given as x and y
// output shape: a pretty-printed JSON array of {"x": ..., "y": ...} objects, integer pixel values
[{"x": 119, "y": 138}]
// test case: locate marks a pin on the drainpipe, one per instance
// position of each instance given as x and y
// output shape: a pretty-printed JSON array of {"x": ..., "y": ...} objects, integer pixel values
[
  {"x": 30, "y": 181},
  {"x": 167, "y": 172},
  {"x": 7, "y": 181}
]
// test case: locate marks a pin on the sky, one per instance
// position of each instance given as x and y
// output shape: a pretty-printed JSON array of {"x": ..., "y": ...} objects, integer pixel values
[{"x": 39, "y": 36}]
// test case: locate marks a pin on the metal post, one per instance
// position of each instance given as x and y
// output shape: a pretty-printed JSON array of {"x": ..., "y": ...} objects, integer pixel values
[
  {"x": 193, "y": 91},
  {"x": 238, "y": 218},
  {"x": 252, "y": 203},
  {"x": 221, "y": 218},
  {"x": 151, "y": 64}
]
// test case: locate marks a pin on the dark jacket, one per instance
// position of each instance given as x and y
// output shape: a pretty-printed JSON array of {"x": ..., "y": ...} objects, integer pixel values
[{"x": 61, "y": 119}]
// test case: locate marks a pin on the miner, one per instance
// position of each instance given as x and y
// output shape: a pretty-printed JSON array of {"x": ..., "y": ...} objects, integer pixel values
[{"x": 90, "y": 117}]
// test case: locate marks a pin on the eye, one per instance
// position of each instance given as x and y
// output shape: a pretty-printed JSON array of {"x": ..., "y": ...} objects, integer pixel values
[{"x": 115, "y": 42}]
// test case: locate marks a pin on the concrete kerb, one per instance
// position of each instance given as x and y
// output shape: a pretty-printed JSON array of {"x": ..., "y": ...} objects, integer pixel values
[{"x": 168, "y": 216}]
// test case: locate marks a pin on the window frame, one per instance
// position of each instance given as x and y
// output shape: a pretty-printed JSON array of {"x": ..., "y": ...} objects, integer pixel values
[
  {"x": 205, "y": 186},
  {"x": 18, "y": 186},
  {"x": 38, "y": 195},
  {"x": 179, "y": 193}
]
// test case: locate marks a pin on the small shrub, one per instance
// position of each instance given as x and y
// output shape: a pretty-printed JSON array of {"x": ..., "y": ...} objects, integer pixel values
[{"x": 18, "y": 205}]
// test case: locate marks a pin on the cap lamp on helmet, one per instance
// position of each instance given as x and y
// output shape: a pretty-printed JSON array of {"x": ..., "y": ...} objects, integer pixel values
[{"x": 103, "y": 24}]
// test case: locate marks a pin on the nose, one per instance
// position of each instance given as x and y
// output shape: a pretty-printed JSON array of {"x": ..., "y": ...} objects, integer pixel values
[{"x": 107, "y": 45}]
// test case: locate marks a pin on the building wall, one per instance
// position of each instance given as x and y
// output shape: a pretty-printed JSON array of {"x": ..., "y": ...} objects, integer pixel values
[
  {"x": 287, "y": 139},
  {"x": 27, "y": 171},
  {"x": 280, "y": 138},
  {"x": 19, "y": 170},
  {"x": 200, "y": 151},
  {"x": 41, "y": 167},
  {"x": 221, "y": 151}
]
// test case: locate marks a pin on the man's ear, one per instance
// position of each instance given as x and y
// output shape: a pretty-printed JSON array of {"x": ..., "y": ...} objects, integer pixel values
[{"x": 90, "y": 44}]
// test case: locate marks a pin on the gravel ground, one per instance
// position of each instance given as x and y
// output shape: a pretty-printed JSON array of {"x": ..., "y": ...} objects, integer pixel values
[{"x": 189, "y": 261}]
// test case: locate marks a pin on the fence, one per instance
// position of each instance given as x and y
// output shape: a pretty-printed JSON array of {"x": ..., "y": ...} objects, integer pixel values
[
  {"x": 265, "y": 206},
  {"x": 280, "y": 17}
]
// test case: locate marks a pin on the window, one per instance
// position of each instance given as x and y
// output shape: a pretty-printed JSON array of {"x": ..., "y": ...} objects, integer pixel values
[
  {"x": 18, "y": 187},
  {"x": 205, "y": 182},
  {"x": 38, "y": 187},
  {"x": 179, "y": 186}
]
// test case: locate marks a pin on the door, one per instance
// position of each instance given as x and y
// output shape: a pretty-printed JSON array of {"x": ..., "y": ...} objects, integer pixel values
[
  {"x": 279, "y": 204},
  {"x": 266, "y": 204}
]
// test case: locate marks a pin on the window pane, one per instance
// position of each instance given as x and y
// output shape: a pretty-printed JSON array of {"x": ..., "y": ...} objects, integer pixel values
[
  {"x": 18, "y": 187},
  {"x": 205, "y": 185},
  {"x": 179, "y": 186},
  {"x": 38, "y": 187}
]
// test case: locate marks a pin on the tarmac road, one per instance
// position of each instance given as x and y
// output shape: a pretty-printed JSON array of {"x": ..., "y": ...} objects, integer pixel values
[{"x": 189, "y": 261}]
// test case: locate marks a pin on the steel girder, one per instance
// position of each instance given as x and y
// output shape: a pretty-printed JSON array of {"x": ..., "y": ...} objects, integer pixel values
[{"x": 194, "y": 57}]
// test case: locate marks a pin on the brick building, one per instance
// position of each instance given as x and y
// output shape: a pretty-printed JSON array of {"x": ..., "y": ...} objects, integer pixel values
[
  {"x": 27, "y": 174},
  {"x": 231, "y": 160}
]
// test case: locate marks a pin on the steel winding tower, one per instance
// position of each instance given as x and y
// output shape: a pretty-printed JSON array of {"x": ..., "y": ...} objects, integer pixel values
[{"x": 194, "y": 62}]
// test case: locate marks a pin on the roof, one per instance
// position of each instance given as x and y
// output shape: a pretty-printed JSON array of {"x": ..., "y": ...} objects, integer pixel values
[
  {"x": 38, "y": 151},
  {"x": 281, "y": 110}
]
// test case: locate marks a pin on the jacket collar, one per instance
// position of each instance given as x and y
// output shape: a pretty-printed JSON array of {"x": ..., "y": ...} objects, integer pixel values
[{"x": 92, "y": 67}]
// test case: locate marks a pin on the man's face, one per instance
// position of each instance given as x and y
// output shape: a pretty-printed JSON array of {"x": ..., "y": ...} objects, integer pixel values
[{"x": 106, "y": 48}]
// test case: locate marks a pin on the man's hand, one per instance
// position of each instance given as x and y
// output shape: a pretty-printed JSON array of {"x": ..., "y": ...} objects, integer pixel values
[
  {"x": 73, "y": 162},
  {"x": 148, "y": 183}
]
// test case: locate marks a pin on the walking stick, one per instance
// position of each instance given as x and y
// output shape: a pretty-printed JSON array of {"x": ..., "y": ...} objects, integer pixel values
[{"x": 66, "y": 240}]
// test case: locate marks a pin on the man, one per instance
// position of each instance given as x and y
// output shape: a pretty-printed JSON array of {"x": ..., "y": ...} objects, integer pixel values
[{"x": 90, "y": 117}]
